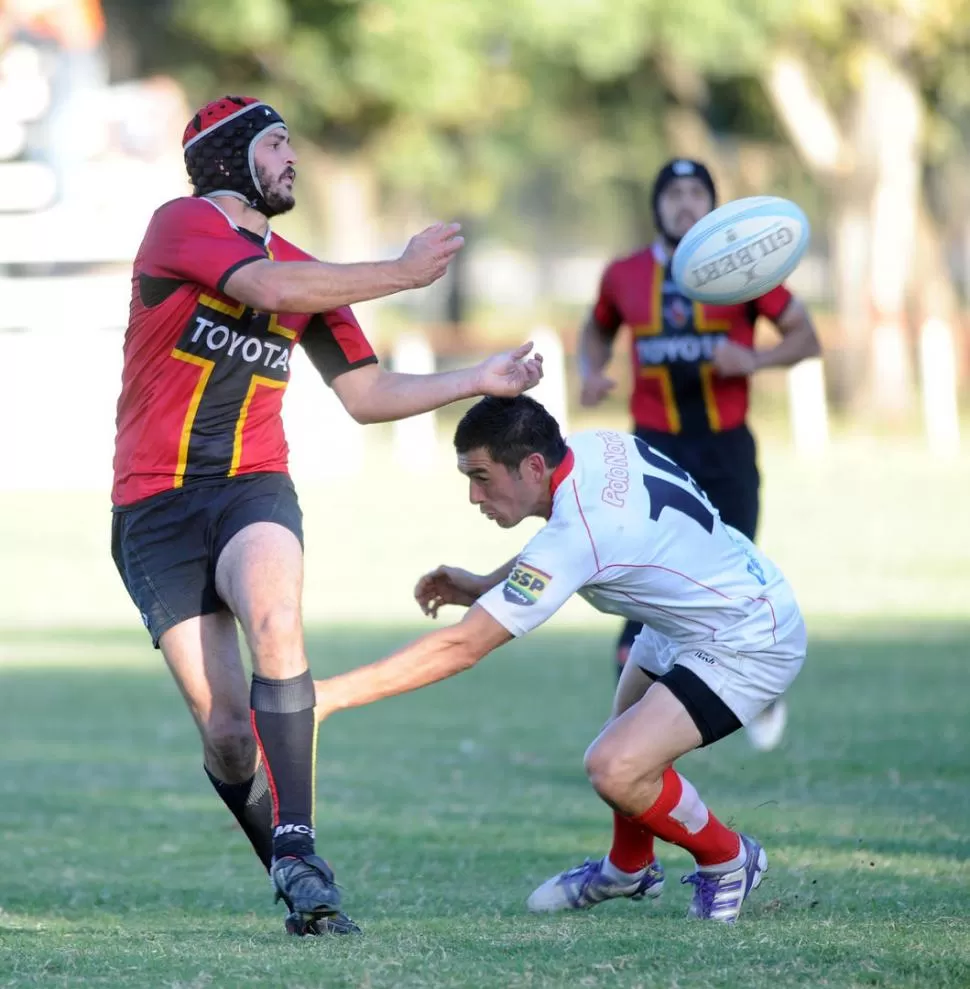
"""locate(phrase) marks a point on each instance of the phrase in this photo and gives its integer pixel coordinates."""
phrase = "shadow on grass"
(105, 806)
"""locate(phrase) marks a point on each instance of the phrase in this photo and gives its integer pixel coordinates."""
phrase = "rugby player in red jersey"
(207, 529)
(691, 365)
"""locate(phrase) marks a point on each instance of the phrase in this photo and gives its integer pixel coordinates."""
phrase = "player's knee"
(230, 747)
(610, 772)
(275, 632)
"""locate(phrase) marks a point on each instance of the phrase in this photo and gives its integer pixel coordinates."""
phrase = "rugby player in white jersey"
(629, 531)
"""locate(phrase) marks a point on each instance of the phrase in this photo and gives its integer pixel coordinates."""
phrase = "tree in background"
(543, 125)
(875, 95)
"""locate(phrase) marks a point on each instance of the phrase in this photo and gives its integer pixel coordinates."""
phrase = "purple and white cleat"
(718, 896)
(585, 886)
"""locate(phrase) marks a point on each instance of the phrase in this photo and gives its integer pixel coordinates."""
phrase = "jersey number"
(664, 494)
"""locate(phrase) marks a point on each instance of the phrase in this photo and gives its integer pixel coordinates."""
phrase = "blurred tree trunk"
(685, 127)
(458, 288)
(343, 214)
(873, 175)
(886, 143)
(813, 129)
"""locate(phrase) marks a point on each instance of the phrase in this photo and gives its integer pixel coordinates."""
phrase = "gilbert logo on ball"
(741, 250)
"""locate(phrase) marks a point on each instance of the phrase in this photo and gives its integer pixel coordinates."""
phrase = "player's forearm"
(498, 575)
(595, 347)
(796, 345)
(397, 396)
(314, 286)
(431, 658)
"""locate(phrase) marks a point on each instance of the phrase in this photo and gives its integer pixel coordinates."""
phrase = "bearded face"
(274, 159)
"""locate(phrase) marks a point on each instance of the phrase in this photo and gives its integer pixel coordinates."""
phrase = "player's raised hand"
(595, 387)
(448, 585)
(509, 374)
(428, 254)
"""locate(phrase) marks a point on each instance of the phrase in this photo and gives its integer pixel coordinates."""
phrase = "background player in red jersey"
(207, 529)
(691, 366)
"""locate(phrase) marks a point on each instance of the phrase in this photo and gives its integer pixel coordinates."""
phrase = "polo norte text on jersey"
(617, 468)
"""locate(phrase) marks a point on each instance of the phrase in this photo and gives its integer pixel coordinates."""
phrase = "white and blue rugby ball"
(741, 250)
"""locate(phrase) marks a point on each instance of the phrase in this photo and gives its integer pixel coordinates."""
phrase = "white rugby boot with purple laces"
(718, 896)
(587, 885)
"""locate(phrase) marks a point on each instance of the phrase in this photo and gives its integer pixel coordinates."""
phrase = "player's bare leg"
(203, 656)
(259, 575)
(630, 869)
(630, 767)
(633, 684)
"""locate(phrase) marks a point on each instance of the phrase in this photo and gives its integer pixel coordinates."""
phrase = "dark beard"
(276, 199)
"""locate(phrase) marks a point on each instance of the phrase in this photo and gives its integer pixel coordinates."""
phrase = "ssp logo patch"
(525, 584)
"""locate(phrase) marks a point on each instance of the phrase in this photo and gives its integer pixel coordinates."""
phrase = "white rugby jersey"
(632, 534)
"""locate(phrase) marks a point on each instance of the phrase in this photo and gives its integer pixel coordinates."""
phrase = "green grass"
(442, 810)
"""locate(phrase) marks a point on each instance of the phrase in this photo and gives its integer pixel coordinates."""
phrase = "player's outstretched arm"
(433, 657)
(313, 286)
(371, 394)
(799, 341)
(452, 585)
(595, 351)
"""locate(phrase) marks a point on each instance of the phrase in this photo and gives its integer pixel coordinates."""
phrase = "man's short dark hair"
(509, 429)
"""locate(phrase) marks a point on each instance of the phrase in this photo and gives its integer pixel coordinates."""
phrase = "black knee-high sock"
(252, 807)
(286, 732)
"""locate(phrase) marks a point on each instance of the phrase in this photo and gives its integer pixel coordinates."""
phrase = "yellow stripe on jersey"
(710, 402)
(274, 327)
(186, 436)
(656, 324)
(235, 311)
(662, 376)
(703, 325)
(254, 383)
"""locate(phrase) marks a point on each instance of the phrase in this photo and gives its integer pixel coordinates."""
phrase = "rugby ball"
(741, 250)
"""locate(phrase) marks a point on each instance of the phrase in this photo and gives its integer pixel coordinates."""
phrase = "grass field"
(441, 811)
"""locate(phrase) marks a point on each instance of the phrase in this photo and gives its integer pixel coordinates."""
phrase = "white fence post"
(551, 391)
(415, 439)
(324, 440)
(808, 407)
(938, 382)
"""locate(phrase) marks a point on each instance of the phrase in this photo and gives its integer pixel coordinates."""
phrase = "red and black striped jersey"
(204, 376)
(676, 389)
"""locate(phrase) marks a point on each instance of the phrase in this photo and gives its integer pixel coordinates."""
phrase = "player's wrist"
(401, 274)
(475, 381)
(483, 584)
(760, 359)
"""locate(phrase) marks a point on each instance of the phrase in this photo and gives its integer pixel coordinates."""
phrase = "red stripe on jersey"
(677, 573)
(679, 615)
(582, 515)
(562, 471)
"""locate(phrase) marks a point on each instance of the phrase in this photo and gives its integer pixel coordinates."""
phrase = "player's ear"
(535, 465)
